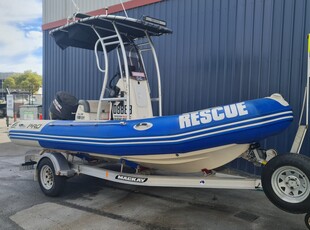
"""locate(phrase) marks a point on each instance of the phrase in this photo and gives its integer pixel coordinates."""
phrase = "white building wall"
(54, 10)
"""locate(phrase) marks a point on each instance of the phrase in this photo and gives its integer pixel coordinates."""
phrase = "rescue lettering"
(214, 114)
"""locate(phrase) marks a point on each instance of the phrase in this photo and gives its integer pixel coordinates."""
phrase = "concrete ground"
(90, 203)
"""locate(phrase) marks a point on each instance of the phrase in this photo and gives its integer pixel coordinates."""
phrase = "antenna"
(70, 18)
(76, 6)
(124, 8)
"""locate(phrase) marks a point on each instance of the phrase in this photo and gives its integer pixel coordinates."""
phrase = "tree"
(27, 81)
(9, 83)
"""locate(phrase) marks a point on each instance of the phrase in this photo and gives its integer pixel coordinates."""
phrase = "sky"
(20, 35)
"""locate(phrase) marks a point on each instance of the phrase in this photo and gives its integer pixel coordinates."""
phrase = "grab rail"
(101, 40)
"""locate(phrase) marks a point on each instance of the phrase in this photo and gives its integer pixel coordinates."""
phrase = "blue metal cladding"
(221, 52)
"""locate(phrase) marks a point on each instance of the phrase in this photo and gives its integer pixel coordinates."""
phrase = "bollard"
(40, 116)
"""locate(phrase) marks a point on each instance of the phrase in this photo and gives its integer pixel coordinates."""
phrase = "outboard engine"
(64, 106)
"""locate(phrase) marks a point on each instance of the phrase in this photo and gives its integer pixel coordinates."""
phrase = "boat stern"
(21, 132)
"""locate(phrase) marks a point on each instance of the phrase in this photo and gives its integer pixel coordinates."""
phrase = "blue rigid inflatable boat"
(106, 129)
(206, 130)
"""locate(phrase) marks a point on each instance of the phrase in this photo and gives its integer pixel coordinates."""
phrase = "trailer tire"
(50, 184)
(307, 220)
(286, 182)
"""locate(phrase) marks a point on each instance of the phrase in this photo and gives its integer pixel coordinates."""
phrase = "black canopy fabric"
(81, 34)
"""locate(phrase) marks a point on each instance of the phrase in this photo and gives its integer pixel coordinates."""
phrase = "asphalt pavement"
(90, 203)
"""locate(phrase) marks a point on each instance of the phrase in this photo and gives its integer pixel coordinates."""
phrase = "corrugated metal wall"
(221, 51)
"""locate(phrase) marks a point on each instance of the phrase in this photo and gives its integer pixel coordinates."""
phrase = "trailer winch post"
(302, 129)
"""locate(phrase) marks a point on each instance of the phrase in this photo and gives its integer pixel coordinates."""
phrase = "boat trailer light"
(154, 20)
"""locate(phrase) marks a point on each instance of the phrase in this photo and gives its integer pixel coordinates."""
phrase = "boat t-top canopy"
(81, 34)
(106, 33)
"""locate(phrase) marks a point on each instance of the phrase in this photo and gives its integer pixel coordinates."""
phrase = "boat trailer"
(287, 185)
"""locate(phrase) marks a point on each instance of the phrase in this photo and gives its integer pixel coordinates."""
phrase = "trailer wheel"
(286, 182)
(50, 184)
(307, 220)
